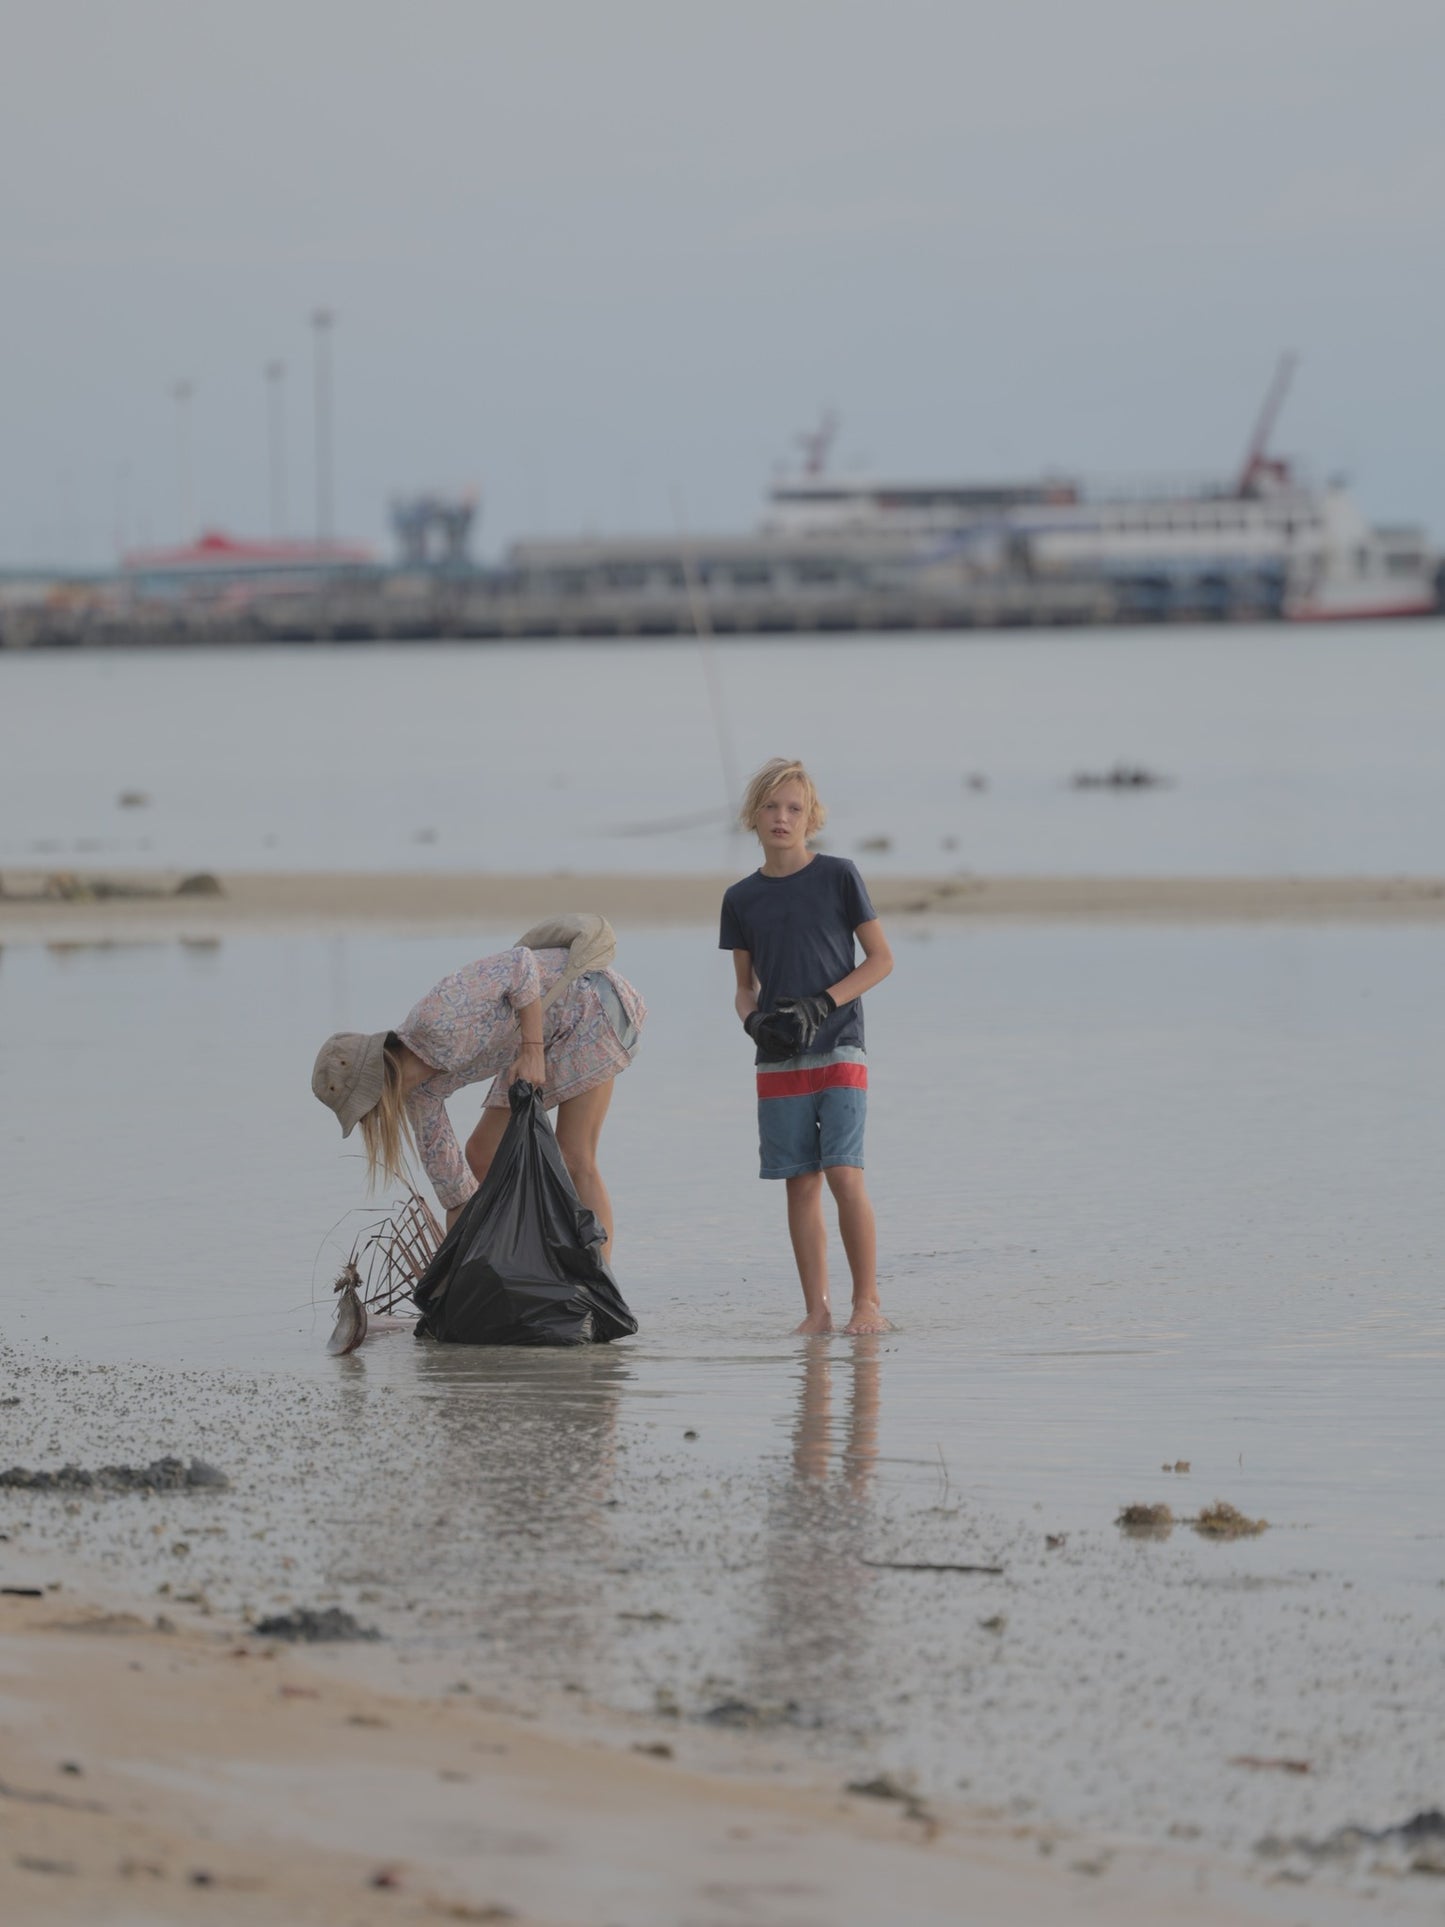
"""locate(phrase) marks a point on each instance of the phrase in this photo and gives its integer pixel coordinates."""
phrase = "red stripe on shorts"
(807, 1083)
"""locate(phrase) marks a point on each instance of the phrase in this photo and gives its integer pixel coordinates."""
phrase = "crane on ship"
(1260, 473)
(816, 443)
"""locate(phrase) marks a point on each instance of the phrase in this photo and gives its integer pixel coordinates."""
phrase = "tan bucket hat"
(350, 1073)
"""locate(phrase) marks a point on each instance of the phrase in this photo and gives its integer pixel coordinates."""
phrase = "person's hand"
(772, 1039)
(805, 1016)
(530, 1066)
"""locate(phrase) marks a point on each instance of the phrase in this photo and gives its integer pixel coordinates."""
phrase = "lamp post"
(276, 439)
(181, 394)
(323, 320)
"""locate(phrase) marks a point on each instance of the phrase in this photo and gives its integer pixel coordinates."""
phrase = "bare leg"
(579, 1126)
(860, 1241)
(481, 1149)
(810, 1248)
(483, 1142)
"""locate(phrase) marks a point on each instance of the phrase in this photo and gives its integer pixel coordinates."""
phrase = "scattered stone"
(689, 1435)
(132, 800)
(1416, 1845)
(313, 1627)
(743, 1713)
(201, 884)
(657, 1749)
(647, 1619)
(34, 1863)
(1146, 1521)
(23, 1592)
(1123, 776)
(464, 1910)
(1179, 1465)
(876, 843)
(1056, 1541)
(73, 1767)
(161, 1475)
(882, 1786)
(994, 1624)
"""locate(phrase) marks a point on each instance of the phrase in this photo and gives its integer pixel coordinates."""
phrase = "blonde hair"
(386, 1128)
(773, 774)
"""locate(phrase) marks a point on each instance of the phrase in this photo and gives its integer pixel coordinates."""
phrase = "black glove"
(805, 1016)
(772, 1038)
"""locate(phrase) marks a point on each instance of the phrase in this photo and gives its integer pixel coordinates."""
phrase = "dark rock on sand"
(161, 1475)
(306, 1624)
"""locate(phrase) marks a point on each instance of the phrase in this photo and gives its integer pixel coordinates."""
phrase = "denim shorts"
(811, 1113)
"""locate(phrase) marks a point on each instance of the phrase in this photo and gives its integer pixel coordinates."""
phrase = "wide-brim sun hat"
(350, 1075)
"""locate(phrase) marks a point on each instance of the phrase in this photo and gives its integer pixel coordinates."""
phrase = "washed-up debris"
(995, 1623)
(38, 1797)
(386, 1264)
(23, 1592)
(883, 1786)
(923, 1565)
(1179, 1465)
(132, 800)
(1416, 1845)
(1265, 1765)
(350, 1328)
(1056, 1541)
(161, 1475)
(307, 1624)
(1224, 1521)
(1123, 776)
(655, 1749)
(875, 843)
(36, 1863)
(1146, 1521)
(743, 1713)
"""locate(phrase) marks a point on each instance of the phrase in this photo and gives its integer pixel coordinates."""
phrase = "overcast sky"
(601, 257)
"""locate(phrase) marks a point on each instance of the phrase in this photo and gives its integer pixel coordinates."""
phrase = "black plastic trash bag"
(523, 1263)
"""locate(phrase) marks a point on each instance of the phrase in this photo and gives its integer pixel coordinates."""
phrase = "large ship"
(1263, 543)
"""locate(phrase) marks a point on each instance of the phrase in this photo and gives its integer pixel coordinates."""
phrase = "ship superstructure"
(1265, 543)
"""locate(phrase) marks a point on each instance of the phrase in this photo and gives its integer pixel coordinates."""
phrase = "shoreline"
(146, 908)
(152, 1766)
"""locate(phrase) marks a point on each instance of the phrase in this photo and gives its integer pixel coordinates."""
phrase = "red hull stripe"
(824, 1077)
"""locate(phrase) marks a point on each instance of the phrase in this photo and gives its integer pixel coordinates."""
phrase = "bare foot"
(867, 1317)
(817, 1324)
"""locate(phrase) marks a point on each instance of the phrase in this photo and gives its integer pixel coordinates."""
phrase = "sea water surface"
(1145, 1196)
(1285, 750)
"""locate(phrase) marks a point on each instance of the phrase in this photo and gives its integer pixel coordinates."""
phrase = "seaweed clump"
(1224, 1521)
(1146, 1521)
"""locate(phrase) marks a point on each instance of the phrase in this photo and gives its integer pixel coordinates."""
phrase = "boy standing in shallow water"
(791, 927)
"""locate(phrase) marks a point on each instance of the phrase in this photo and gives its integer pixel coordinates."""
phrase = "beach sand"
(154, 1772)
(444, 902)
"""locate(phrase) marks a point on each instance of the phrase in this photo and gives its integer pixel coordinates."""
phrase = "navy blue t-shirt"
(799, 931)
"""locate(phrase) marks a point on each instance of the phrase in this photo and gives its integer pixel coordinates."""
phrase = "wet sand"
(150, 1770)
(440, 903)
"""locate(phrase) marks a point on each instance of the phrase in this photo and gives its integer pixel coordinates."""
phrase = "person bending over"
(487, 1020)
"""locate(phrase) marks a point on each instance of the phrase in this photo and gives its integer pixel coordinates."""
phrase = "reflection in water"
(812, 1637)
(503, 1500)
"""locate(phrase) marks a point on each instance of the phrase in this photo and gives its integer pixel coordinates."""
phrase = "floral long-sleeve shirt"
(466, 1026)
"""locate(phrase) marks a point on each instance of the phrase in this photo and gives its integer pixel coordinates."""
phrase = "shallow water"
(1144, 1195)
(1309, 750)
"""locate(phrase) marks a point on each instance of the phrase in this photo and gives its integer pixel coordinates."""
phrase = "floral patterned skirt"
(590, 1036)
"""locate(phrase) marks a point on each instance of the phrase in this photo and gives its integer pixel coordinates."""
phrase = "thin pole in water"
(702, 628)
